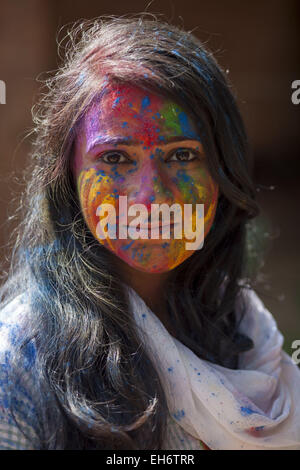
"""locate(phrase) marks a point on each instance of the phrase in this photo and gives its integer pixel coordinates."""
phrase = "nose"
(151, 185)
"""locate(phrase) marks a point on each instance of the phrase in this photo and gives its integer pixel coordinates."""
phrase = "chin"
(157, 266)
(150, 269)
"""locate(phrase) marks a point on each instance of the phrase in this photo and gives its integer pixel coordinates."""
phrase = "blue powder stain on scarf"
(245, 411)
(14, 334)
(180, 414)
(144, 315)
(124, 124)
(170, 369)
(29, 356)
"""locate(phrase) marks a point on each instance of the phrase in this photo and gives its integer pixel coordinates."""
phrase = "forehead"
(130, 111)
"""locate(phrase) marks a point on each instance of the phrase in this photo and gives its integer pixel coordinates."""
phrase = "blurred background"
(258, 42)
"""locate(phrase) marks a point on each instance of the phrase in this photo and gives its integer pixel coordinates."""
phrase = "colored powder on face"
(184, 183)
(117, 100)
(126, 247)
(181, 174)
(145, 103)
(170, 115)
(186, 127)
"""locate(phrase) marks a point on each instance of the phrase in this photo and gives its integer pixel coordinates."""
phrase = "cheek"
(197, 188)
(208, 192)
(95, 188)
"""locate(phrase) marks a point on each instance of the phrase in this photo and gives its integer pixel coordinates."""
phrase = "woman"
(112, 342)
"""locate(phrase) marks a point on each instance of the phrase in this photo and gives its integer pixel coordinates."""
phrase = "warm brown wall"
(257, 41)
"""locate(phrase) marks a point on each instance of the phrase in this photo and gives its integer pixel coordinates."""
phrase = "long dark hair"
(102, 388)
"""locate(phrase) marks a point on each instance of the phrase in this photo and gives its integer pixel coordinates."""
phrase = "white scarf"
(253, 408)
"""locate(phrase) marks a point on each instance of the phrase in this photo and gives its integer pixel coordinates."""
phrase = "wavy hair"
(104, 391)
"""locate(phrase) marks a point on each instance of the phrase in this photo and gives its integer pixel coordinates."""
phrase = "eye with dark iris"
(114, 157)
(183, 155)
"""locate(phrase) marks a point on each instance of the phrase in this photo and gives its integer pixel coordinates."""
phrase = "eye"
(114, 157)
(183, 155)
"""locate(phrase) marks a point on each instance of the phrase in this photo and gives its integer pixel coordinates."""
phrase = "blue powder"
(117, 100)
(145, 103)
(185, 125)
(246, 411)
(126, 247)
(29, 356)
(182, 175)
(180, 414)
(100, 172)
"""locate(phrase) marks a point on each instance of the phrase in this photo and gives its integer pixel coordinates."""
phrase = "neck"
(150, 287)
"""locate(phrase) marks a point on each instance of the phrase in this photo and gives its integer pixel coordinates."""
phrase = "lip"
(149, 227)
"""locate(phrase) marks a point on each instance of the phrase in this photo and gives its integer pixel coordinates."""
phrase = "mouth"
(149, 226)
(146, 227)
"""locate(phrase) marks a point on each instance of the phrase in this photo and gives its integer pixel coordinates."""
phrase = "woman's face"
(143, 146)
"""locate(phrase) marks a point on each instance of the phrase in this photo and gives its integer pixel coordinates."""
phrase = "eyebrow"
(131, 142)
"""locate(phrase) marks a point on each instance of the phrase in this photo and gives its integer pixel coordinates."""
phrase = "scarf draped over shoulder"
(253, 408)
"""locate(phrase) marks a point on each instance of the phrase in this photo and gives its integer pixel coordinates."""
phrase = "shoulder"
(14, 317)
(255, 317)
(18, 377)
(258, 323)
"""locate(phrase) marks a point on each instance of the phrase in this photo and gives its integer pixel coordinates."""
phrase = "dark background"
(257, 41)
